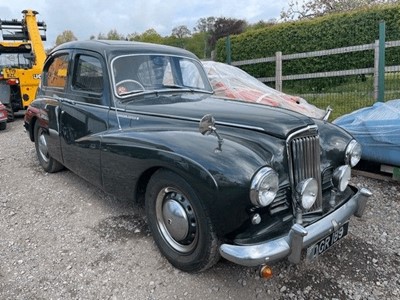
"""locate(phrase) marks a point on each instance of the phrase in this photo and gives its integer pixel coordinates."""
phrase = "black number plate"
(324, 244)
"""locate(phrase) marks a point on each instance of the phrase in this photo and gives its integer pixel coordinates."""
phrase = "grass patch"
(353, 93)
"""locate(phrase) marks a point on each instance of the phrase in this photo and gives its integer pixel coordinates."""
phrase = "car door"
(83, 115)
(52, 90)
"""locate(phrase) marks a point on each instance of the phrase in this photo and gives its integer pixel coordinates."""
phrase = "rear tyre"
(3, 125)
(180, 224)
(48, 163)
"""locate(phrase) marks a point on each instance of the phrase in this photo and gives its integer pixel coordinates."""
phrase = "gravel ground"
(61, 238)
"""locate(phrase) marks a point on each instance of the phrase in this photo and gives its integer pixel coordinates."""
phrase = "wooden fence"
(279, 59)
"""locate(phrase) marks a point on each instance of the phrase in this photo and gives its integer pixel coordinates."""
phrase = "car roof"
(120, 47)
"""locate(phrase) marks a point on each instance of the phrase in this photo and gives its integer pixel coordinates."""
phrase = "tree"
(133, 36)
(224, 27)
(66, 36)
(111, 35)
(181, 32)
(316, 8)
(149, 36)
(205, 25)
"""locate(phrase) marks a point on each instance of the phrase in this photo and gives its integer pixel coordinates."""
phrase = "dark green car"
(248, 182)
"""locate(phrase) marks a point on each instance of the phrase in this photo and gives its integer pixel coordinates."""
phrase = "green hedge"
(329, 32)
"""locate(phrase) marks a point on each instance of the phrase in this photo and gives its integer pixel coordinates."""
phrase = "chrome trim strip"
(150, 114)
(298, 238)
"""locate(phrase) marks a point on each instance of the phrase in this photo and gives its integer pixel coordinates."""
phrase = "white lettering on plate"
(325, 244)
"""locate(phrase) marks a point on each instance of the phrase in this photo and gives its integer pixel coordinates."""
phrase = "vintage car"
(248, 182)
(3, 116)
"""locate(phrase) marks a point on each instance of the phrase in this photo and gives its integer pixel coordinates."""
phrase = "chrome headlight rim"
(307, 191)
(353, 153)
(341, 177)
(264, 187)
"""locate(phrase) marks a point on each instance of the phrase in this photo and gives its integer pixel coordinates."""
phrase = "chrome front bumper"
(298, 238)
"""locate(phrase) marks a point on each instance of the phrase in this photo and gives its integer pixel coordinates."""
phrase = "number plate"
(324, 244)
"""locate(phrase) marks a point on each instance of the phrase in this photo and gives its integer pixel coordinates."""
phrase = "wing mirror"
(207, 127)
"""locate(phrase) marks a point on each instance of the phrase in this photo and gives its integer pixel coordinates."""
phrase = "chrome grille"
(304, 160)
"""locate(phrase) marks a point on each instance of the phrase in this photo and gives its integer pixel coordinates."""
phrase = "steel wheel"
(179, 223)
(48, 163)
(176, 220)
(42, 147)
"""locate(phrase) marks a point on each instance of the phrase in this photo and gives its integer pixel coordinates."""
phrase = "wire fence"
(343, 90)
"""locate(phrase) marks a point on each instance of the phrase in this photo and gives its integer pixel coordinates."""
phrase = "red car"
(3, 116)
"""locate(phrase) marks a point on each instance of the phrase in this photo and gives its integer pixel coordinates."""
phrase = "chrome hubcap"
(176, 220)
(43, 151)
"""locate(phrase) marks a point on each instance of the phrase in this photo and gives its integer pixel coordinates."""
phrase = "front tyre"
(179, 223)
(48, 163)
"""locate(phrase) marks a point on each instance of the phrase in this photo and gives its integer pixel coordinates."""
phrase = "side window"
(88, 74)
(55, 75)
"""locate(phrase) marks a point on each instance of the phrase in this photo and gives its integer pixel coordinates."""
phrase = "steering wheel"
(129, 85)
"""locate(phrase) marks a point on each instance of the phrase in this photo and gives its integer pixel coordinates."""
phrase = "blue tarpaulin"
(377, 129)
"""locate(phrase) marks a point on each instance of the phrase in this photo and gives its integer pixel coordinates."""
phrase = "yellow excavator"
(22, 56)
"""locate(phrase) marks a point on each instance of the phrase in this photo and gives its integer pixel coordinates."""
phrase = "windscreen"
(146, 73)
(15, 60)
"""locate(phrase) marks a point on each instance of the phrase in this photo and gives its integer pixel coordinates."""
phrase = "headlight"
(264, 187)
(341, 177)
(308, 191)
(353, 153)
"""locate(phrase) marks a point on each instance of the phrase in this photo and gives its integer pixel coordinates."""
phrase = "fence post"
(228, 50)
(278, 71)
(381, 67)
(376, 70)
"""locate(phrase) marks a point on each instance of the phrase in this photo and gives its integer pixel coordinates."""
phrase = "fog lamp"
(307, 191)
(341, 177)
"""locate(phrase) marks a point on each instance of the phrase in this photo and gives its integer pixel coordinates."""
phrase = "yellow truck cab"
(22, 56)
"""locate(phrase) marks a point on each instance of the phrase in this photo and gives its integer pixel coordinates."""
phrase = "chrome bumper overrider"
(298, 238)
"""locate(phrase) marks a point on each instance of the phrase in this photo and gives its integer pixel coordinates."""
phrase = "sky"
(86, 18)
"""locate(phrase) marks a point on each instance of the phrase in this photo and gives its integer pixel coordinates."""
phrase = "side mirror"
(207, 125)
